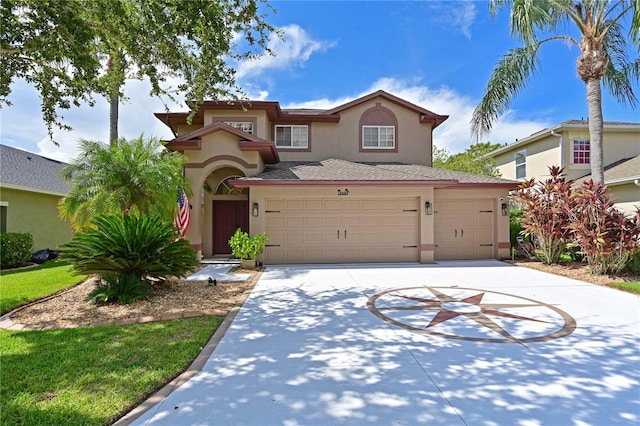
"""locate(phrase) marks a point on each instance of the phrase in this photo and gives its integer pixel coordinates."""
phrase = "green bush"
(245, 247)
(123, 288)
(15, 248)
(515, 226)
(120, 248)
(633, 265)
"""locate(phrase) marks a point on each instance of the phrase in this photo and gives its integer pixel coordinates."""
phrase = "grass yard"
(632, 286)
(91, 376)
(21, 286)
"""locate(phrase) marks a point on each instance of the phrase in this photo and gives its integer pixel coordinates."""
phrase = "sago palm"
(136, 177)
(603, 59)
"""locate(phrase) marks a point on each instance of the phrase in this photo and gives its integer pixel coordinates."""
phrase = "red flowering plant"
(607, 238)
(545, 215)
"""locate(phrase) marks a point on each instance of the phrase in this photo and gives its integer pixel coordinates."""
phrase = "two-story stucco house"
(349, 184)
(567, 145)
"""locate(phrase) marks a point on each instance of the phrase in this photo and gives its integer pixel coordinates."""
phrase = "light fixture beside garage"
(254, 210)
(505, 209)
(428, 208)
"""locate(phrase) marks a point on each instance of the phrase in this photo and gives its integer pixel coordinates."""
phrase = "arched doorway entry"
(225, 210)
(228, 215)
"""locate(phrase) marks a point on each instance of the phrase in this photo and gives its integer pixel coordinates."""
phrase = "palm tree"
(603, 58)
(136, 177)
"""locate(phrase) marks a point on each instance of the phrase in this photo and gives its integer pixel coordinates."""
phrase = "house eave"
(29, 189)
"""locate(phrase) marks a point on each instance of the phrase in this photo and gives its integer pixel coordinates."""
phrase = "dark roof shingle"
(27, 170)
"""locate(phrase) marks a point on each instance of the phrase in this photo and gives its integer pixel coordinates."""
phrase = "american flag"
(183, 217)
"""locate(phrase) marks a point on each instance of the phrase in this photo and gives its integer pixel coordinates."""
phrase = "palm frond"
(508, 78)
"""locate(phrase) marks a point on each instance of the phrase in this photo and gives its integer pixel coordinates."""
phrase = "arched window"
(224, 188)
(378, 129)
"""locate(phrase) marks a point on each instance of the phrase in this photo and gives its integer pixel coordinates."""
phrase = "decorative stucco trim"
(504, 245)
(427, 247)
(230, 158)
(246, 183)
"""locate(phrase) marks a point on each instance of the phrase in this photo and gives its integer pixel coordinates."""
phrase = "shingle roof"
(331, 170)
(623, 170)
(27, 170)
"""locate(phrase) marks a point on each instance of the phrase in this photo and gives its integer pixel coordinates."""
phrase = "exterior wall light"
(428, 208)
(254, 210)
(505, 209)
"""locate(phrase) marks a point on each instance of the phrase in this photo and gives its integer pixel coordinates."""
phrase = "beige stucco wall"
(341, 140)
(626, 196)
(36, 213)
(545, 152)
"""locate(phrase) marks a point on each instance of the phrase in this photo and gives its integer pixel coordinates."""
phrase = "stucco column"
(195, 201)
(427, 230)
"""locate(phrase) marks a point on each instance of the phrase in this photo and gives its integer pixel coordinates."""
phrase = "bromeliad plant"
(607, 238)
(129, 253)
(545, 215)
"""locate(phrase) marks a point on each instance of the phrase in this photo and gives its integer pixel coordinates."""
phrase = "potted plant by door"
(247, 248)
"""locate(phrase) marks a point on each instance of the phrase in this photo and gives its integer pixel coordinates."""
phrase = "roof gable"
(426, 116)
(247, 142)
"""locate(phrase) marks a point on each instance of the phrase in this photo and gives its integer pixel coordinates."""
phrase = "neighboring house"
(567, 145)
(349, 184)
(30, 191)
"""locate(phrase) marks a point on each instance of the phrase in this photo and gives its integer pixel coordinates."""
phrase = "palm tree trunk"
(594, 102)
(114, 104)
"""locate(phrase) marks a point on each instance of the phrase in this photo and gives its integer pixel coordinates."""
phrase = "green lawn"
(632, 286)
(85, 376)
(91, 376)
(21, 286)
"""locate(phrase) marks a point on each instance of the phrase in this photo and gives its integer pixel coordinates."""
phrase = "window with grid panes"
(521, 164)
(245, 126)
(292, 136)
(581, 151)
(379, 137)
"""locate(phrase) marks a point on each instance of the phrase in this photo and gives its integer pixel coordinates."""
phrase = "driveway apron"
(455, 343)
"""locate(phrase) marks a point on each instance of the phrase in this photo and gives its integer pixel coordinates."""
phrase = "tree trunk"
(594, 103)
(114, 104)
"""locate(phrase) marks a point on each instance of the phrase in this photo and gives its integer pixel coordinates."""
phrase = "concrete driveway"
(456, 343)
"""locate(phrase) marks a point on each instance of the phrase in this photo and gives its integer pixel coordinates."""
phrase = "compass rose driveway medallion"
(471, 314)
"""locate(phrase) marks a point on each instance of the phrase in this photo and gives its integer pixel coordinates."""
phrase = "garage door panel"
(343, 230)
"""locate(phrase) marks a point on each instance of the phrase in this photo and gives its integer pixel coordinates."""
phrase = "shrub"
(515, 226)
(144, 247)
(15, 248)
(607, 238)
(245, 247)
(123, 288)
(633, 265)
(545, 216)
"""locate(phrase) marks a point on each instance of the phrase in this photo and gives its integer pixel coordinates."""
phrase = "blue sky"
(437, 54)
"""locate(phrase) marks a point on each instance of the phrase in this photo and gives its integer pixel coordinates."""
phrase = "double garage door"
(342, 230)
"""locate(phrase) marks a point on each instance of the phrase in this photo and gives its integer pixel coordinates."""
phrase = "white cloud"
(455, 16)
(454, 134)
(294, 48)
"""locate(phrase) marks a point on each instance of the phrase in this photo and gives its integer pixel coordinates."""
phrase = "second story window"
(383, 137)
(581, 151)
(521, 164)
(292, 136)
(245, 126)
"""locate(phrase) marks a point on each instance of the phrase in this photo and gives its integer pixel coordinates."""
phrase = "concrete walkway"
(457, 343)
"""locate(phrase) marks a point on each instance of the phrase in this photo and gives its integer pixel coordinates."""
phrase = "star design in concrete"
(443, 305)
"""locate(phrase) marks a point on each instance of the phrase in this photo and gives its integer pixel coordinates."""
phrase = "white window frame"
(245, 126)
(379, 139)
(521, 165)
(573, 151)
(298, 135)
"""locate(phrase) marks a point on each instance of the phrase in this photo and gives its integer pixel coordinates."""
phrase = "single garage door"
(464, 229)
(342, 230)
